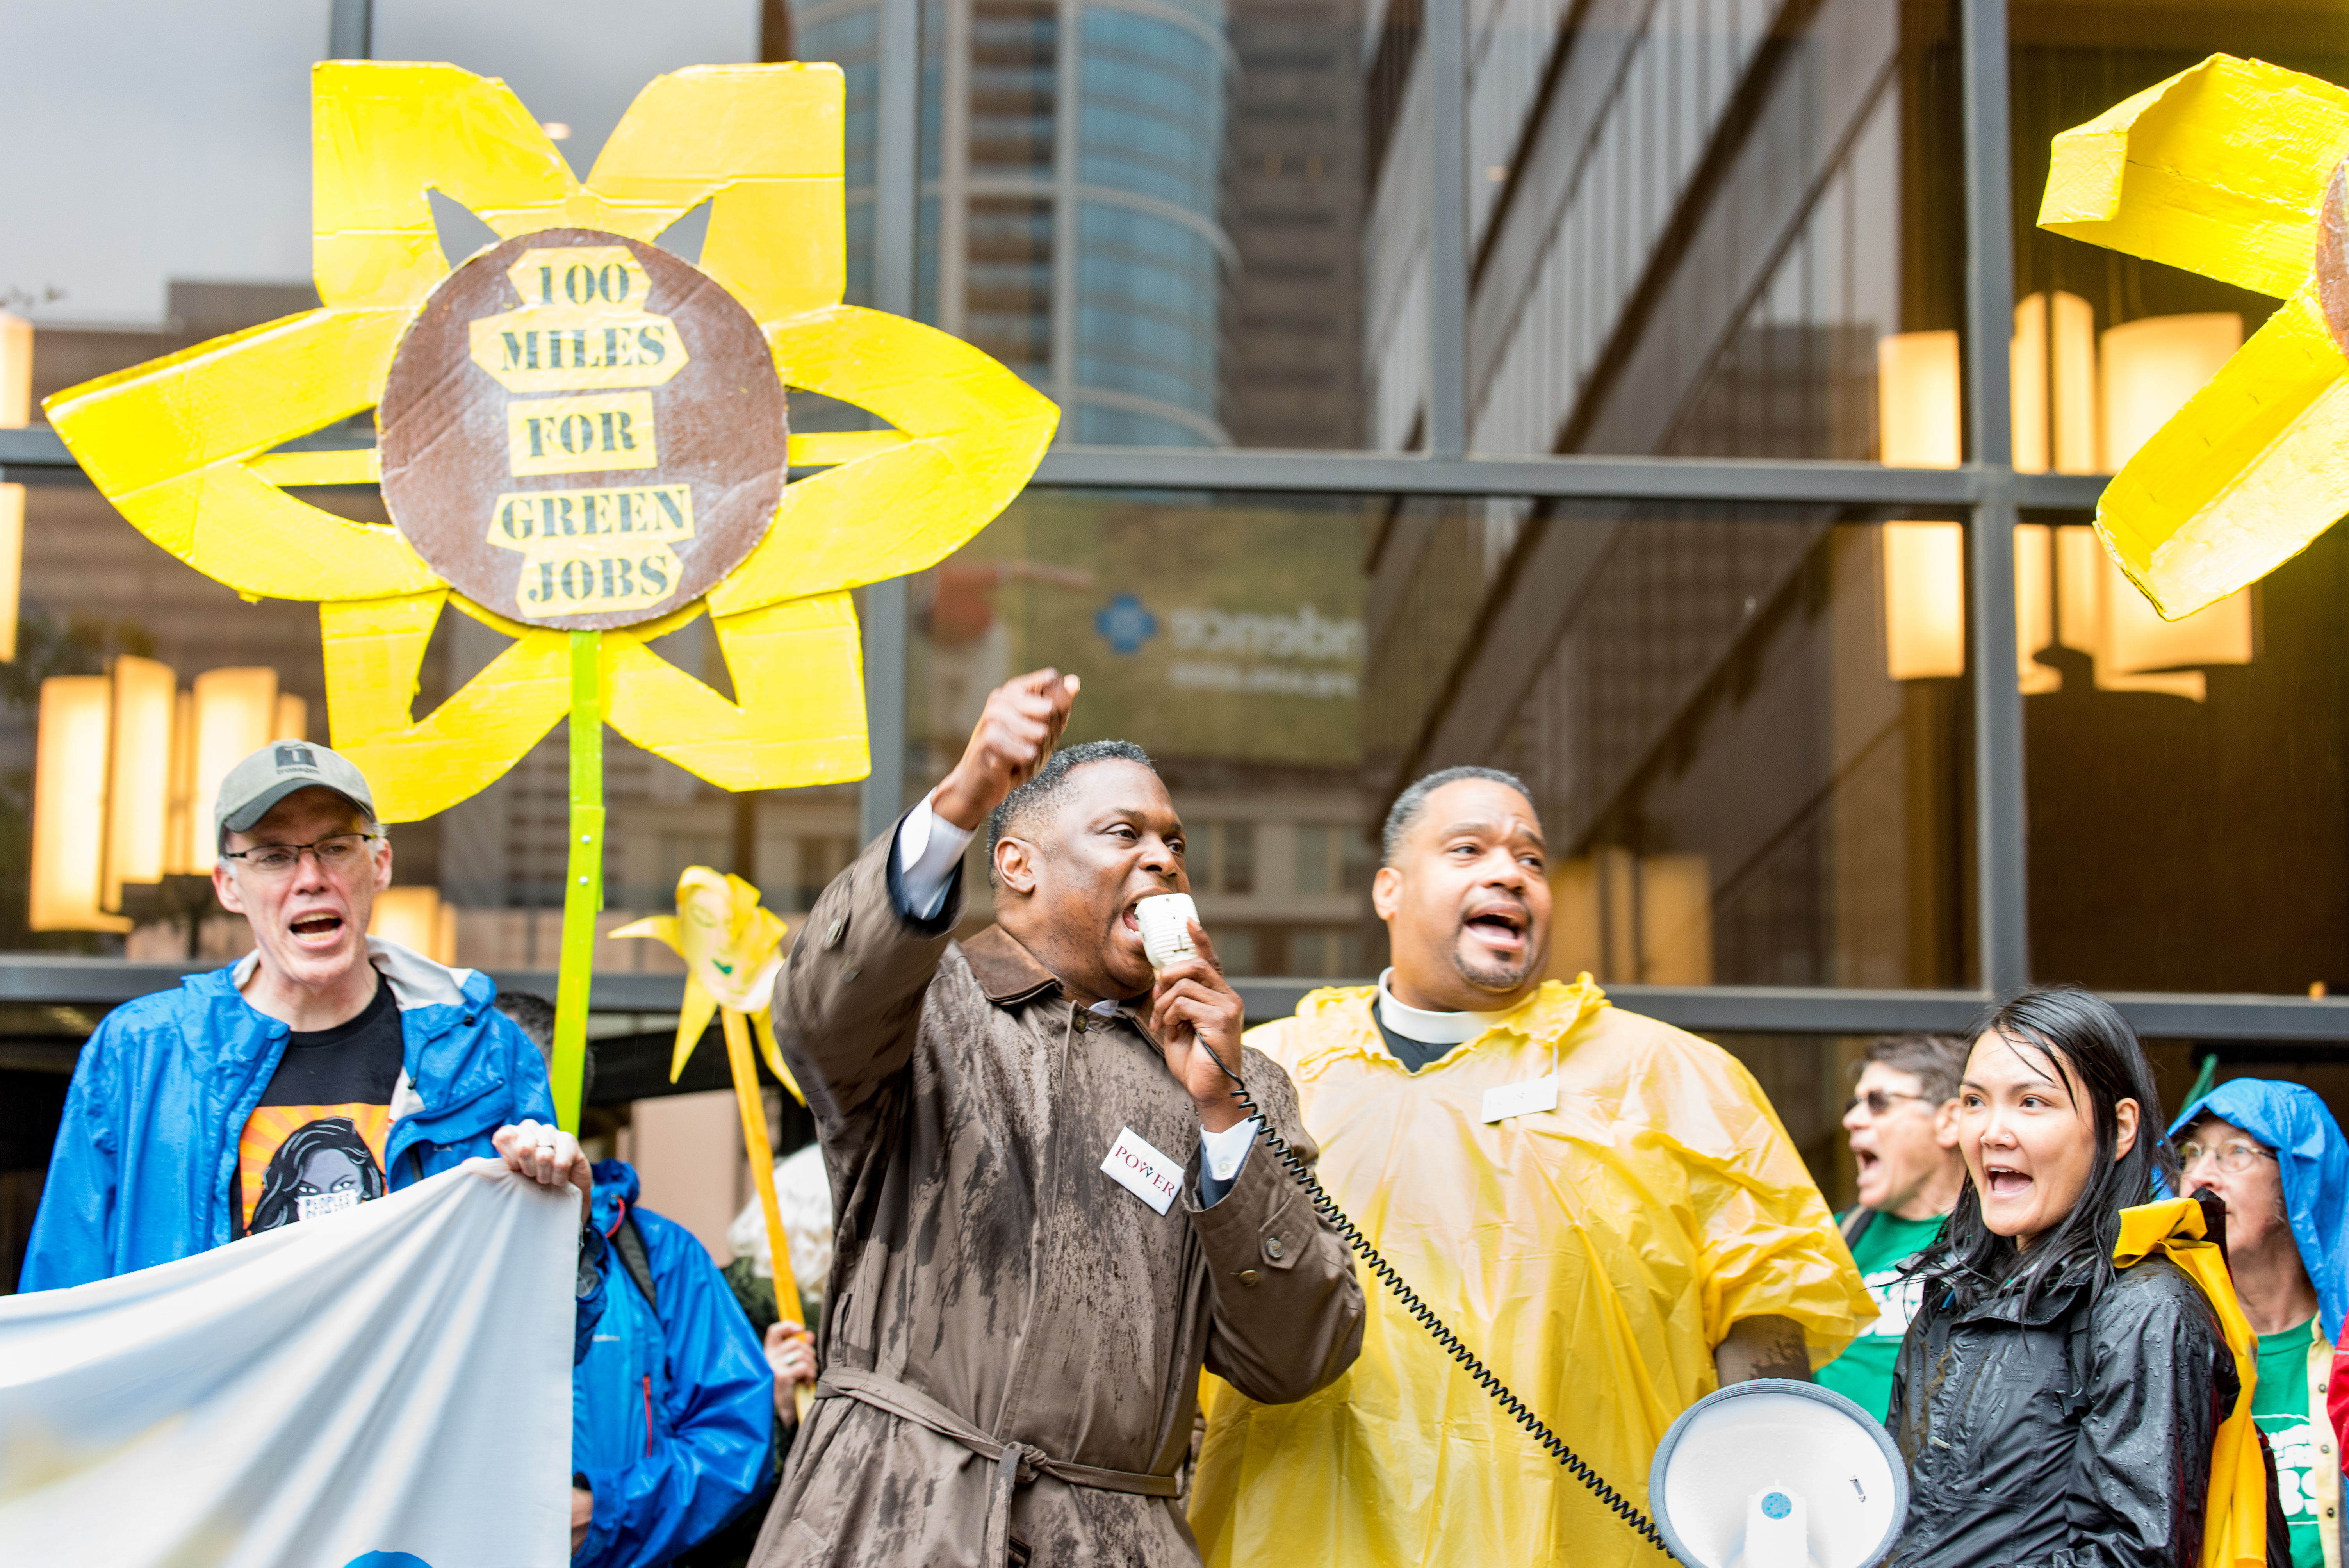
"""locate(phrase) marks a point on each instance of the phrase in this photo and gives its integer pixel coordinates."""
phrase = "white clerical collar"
(1430, 1028)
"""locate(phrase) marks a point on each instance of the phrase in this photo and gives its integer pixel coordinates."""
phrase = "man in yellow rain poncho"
(1605, 1209)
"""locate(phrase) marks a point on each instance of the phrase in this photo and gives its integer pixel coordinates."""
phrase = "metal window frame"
(1987, 490)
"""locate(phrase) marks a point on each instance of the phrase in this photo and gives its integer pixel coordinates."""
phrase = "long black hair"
(2081, 1041)
(281, 1184)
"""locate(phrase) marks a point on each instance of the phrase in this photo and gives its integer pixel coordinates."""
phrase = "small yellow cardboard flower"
(2233, 169)
(733, 950)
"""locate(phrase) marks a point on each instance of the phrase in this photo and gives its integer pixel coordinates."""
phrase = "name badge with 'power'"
(1142, 1170)
(1502, 1101)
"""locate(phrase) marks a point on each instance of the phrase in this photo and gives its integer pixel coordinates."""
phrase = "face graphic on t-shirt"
(323, 1167)
(331, 1181)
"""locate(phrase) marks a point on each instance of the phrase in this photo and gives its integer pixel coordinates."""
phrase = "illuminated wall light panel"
(179, 836)
(2035, 608)
(1924, 600)
(2026, 355)
(15, 413)
(145, 698)
(1917, 391)
(2137, 640)
(236, 710)
(2071, 382)
(2053, 359)
(1925, 603)
(293, 718)
(16, 372)
(416, 919)
(68, 869)
(2151, 367)
(2084, 582)
(12, 565)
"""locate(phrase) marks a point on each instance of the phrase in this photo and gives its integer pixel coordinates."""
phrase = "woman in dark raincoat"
(2052, 1409)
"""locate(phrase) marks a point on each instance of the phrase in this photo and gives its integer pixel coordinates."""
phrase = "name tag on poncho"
(1505, 1100)
(1142, 1170)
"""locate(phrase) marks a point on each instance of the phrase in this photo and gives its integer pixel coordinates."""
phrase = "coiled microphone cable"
(1437, 1330)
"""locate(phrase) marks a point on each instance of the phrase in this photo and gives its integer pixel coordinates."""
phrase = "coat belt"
(1016, 1464)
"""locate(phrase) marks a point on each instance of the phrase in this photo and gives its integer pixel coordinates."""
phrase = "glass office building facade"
(1673, 401)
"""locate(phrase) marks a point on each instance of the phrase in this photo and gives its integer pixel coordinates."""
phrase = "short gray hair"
(1031, 796)
(1407, 807)
(1937, 1062)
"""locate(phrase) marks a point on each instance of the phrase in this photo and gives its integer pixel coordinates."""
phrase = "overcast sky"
(151, 139)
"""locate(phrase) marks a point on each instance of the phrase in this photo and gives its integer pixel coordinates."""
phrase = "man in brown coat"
(1048, 1215)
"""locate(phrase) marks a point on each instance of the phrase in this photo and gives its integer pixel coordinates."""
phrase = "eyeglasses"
(1878, 1101)
(340, 853)
(2234, 1158)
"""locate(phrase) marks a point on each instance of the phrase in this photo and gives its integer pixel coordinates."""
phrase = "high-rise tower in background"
(1149, 209)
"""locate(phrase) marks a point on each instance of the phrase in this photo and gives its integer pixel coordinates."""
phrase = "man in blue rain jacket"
(672, 1411)
(323, 1070)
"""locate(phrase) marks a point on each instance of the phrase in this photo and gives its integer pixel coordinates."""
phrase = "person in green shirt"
(1902, 1120)
(2274, 1153)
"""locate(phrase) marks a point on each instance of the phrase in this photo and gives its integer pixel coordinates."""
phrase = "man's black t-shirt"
(314, 1145)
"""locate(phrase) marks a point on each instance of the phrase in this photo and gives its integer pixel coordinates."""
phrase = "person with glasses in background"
(2275, 1154)
(1902, 1121)
(323, 1068)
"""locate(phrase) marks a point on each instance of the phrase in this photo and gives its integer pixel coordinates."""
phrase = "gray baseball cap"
(277, 770)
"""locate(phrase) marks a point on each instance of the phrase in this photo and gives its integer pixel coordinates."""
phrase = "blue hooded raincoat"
(673, 1410)
(2313, 1160)
(145, 1162)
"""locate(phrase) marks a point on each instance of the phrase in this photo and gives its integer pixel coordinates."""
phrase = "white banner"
(388, 1388)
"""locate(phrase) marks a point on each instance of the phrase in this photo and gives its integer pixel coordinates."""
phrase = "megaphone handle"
(1437, 1330)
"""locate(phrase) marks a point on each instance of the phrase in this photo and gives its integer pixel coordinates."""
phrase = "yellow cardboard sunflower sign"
(583, 442)
(2233, 170)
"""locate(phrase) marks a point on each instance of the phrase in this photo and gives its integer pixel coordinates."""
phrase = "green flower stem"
(583, 883)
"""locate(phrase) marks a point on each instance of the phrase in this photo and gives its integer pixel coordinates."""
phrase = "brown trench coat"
(991, 1280)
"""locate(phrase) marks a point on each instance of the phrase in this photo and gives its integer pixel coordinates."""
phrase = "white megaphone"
(1772, 1473)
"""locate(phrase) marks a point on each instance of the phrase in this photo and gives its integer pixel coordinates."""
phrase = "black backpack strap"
(1855, 1224)
(630, 1244)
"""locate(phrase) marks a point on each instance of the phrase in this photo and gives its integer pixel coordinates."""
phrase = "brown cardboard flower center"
(2333, 258)
(582, 431)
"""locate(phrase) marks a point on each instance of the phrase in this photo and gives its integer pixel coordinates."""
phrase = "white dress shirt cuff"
(928, 849)
(1223, 1153)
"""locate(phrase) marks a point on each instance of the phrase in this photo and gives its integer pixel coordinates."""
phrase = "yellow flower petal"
(659, 927)
(373, 649)
(797, 670)
(2220, 169)
(699, 1004)
(763, 145)
(167, 443)
(764, 1021)
(346, 466)
(828, 448)
(977, 432)
(2241, 478)
(380, 134)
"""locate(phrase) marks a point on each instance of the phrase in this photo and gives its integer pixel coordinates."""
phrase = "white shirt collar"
(1429, 1028)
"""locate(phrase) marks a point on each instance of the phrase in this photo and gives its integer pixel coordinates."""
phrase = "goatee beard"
(1499, 977)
